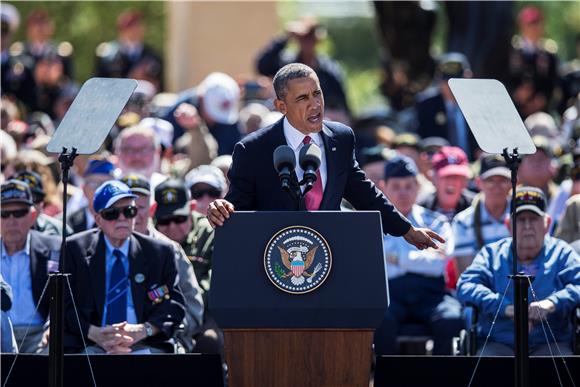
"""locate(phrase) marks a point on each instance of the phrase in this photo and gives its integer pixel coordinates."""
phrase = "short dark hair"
(286, 74)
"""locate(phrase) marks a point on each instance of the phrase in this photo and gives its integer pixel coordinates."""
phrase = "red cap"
(530, 14)
(450, 160)
(128, 19)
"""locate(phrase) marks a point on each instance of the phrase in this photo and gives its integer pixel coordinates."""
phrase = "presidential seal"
(297, 260)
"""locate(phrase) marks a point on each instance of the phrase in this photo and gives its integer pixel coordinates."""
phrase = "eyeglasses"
(113, 213)
(15, 213)
(137, 151)
(212, 192)
(180, 219)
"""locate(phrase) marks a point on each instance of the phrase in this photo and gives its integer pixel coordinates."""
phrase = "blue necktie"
(117, 292)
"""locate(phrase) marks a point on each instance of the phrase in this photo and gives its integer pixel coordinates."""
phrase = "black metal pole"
(522, 368)
(57, 280)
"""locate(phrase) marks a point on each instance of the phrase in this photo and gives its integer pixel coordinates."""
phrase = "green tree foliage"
(87, 23)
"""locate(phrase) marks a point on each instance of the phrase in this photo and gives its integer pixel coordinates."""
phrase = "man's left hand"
(422, 238)
(539, 310)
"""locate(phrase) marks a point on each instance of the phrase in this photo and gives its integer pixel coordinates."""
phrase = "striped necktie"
(313, 198)
(117, 292)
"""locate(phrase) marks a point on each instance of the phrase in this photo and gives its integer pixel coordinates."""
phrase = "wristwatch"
(148, 329)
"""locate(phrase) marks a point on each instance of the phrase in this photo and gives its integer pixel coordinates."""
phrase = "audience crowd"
(140, 245)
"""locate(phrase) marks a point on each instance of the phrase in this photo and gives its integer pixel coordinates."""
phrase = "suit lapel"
(332, 160)
(39, 254)
(137, 265)
(96, 254)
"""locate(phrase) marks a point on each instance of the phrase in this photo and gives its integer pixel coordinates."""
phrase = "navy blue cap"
(15, 191)
(99, 167)
(109, 193)
(400, 166)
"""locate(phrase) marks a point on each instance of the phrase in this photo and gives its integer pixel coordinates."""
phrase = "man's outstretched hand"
(218, 211)
(422, 238)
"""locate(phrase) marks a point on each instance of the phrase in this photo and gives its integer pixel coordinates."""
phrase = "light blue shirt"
(16, 272)
(429, 262)
(109, 261)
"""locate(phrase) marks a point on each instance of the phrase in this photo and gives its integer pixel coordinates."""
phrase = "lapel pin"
(139, 278)
(333, 148)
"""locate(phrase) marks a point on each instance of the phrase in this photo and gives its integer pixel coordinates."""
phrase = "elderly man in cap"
(97, 172)
(416, 277)
(554, 268)
(483, 222)
(27, 258)
(44, 223)
(187, 281)
(437, 111)
(206, 184)
(175, 218)
(124, 284)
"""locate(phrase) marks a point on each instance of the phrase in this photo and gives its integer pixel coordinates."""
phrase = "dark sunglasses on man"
(211, 192)
(113, 213)
(5, 214)
(178, 219)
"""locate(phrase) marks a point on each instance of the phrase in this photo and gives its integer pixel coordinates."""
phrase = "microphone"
(309, 159)
(284, 163)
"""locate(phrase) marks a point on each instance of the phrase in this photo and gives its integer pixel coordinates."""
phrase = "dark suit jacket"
(254, 182)
(42, 247)
(86, 264)
(77, 220)
(433, 120)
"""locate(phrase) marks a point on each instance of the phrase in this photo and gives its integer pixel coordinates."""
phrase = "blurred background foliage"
(352, 40)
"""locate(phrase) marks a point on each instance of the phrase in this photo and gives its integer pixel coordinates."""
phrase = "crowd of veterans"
(140, 246)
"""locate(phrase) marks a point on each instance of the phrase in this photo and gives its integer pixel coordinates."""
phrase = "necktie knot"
(117, 254)
(307, 140)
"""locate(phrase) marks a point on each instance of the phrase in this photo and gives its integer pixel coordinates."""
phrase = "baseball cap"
(452, 65)
(543, 143)
(530, 14)
(163, 129)
(110, 193)
(208, 174)
(431, 145)
(450, 160)
(34, 182)
(493, 165)
(221, 98)
(137, 183)
(406, 139)
(172, 197)
(400, 166)
(530, 199)
(15, 191)
(99, 167)
(9, 16)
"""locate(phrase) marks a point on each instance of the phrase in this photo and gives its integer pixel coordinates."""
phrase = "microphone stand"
(56, 286)
(521, 282)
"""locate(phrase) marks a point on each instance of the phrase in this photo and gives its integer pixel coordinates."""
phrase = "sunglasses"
(113, 213)
(212, 192)
(16, 213)
(180, 219)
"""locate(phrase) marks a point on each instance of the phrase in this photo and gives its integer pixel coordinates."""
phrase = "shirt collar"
(295, 137)
(124, 247)
(25, 250)
(485, 215)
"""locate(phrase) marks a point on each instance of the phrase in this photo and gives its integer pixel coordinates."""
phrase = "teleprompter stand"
(498, 128)
(82, 131)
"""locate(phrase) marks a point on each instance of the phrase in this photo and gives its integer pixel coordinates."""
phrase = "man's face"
(142, 219)
(91, 183)
(375, 171)
(303, 104)
(175, 228)
(402, 192)
(531, 229)
(449, 189)
(536, 170)
(15, 229)
(204, 194)
(137, 154)
(496, 190)
(117, 229)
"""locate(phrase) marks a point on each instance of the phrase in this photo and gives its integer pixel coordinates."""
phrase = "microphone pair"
(308, 159)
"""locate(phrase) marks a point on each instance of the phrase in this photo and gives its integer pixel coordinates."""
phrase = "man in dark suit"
(27, 257)
(254, 183)
(124, 284)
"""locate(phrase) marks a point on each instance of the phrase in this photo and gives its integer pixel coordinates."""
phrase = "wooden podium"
(322, 337)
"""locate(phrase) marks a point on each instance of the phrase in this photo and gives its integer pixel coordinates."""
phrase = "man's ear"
(33, 213)
(280, 105)
(192, 204)
(548, 222)
(152, 209)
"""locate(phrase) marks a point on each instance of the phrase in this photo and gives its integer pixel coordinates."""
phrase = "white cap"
(10, 15)
(221, 98)
(207, 174)
(163, 129)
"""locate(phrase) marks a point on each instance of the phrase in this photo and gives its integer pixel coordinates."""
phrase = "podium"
(299, 295)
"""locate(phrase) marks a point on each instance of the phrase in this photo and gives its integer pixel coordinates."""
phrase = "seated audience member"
(44, 223)
(416, 281)
(187, 282)
(484, 221)
(98, 171)
(206, 184)
(7, 339)
(569, 227)
(538, 170)
(450, 177)
(27, 257)
(176, 219)
(124, 284)
(566, 189)
(554, 268)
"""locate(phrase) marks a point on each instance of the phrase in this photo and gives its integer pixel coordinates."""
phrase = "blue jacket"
(557, 279)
